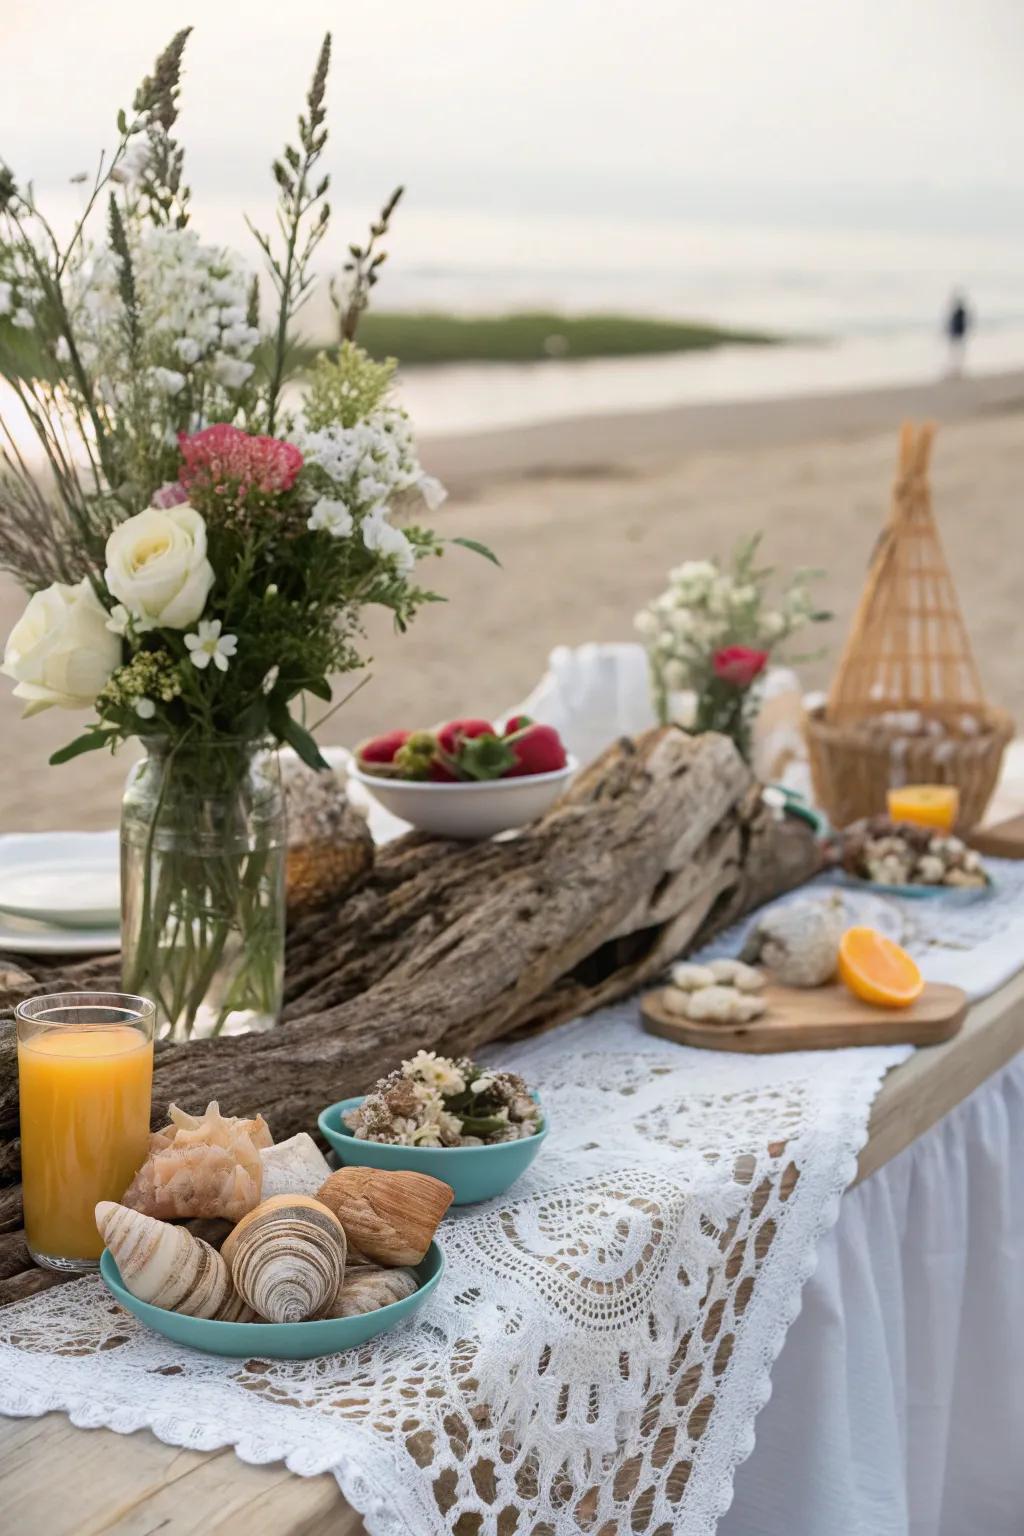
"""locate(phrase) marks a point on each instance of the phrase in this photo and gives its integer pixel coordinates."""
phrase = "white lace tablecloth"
(602, 1342)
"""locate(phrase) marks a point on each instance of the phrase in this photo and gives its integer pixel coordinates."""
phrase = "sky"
(558, 103)
(531, 131)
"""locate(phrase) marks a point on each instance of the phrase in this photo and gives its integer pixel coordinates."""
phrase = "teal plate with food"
(276, 1341)
(474, 1173)
(958, 894)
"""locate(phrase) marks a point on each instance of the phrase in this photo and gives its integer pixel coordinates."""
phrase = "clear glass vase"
(202, 886)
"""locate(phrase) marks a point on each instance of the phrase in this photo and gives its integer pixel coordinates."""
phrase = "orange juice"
(85, 1101)
(930, 805)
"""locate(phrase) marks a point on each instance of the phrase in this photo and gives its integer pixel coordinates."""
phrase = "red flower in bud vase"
(739, 664)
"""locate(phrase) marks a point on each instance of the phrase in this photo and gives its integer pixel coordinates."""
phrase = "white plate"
(19, 936)
(68, 879)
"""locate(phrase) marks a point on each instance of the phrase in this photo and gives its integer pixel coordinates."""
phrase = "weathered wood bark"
(449, 946)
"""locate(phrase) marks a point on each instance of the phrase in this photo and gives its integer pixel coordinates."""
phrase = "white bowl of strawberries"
(467, 779)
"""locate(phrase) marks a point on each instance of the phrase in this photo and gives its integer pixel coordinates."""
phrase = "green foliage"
(345, 388)
(532, 337)
(302, 217)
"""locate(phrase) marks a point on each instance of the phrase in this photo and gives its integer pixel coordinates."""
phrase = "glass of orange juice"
(85, 1081)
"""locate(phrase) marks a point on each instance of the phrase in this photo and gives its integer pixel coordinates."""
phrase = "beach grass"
(421, 338)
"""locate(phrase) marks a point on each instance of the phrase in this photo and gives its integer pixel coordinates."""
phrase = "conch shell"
(167, 1266)
(293, 1167)
(201, 1165)
(389, 1216)
(371, 1286)
(287, 1258)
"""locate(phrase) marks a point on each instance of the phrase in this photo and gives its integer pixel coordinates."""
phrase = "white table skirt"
(897, 1404)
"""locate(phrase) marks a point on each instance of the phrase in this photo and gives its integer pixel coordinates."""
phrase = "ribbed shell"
(371, 1286)
(389, 1215)
(166, 1265)
(287, 1259)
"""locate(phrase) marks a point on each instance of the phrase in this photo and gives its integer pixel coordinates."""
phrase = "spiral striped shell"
(287, 1258)
(166, 1265)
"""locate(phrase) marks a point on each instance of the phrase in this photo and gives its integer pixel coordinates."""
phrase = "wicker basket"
(851, 770)
(906, 705)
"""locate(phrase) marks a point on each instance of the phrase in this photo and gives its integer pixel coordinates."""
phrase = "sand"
(587, 516)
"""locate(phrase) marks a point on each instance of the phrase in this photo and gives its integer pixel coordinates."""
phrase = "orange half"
(877, 970)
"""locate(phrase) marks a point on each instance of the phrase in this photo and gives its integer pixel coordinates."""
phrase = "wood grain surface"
(816, 1019)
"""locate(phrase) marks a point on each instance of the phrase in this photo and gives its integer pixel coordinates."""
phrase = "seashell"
(167, 1266)
(389, 1216)
(371, 1286)
(734, 973)
(293, 1167)
(287, 1258)
(201, 1165)
(799, 942)
(689, 977)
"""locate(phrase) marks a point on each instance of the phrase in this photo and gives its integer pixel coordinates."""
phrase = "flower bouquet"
(201, 541)
(712, 632)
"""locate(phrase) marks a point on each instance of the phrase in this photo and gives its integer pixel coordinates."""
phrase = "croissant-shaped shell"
(370, 1286)
(389, 1215)
(287, 1258)
(166, 1265)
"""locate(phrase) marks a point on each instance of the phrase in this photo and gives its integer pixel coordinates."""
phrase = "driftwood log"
(443, 945)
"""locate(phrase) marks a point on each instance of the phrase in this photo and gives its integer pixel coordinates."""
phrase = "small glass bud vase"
(203, 851)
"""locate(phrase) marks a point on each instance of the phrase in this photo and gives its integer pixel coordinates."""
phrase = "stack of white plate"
(60, 893)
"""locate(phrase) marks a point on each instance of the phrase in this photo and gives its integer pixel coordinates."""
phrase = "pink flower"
(171, 494)
(739, 664)
(232, 464)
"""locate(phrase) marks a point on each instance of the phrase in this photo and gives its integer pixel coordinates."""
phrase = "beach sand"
(586, 518)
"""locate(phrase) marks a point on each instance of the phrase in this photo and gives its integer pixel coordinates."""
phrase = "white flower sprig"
(208, 644)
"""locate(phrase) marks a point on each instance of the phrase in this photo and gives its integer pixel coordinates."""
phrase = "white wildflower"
(436, 1071)
(120, 620)
(208, 644)
(379, 536)
(433, 492)
(22, 318)
(167, 380)
(330, 516)
(145, 708)
(230, 372)
(188, 349)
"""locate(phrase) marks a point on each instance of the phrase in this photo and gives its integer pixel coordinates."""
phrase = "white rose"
(157, 565)
(60, 651)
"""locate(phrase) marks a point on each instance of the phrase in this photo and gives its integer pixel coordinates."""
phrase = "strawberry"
(381, 750)
(516, 723)
(417, 755)
(537, 749)
(439, 774)
(451, 735)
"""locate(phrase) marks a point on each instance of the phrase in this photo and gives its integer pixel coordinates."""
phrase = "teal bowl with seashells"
(276, 1341)
(473, 1173)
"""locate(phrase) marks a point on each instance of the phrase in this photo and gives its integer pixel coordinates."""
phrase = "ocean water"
(860, 308)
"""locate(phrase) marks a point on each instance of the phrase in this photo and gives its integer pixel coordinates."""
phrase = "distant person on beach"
(958, 323)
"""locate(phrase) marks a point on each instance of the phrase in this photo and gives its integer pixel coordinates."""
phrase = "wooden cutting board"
(817, 1019)
(1003, 840)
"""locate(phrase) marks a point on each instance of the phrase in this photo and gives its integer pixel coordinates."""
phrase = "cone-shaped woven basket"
(906, 705)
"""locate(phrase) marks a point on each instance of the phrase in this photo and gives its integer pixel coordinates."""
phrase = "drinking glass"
(85, 1080)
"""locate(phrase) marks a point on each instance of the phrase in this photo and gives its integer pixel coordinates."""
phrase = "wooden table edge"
(936, 1078)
